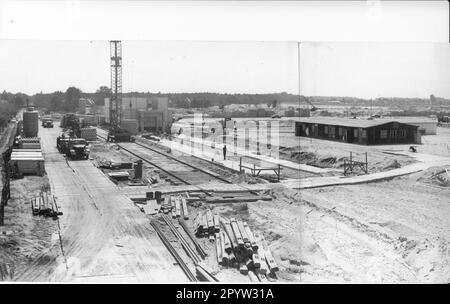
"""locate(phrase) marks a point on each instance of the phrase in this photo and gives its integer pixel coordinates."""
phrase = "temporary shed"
(360, 131)
(27, 162)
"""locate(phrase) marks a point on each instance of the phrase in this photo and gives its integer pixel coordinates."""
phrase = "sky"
(367, 70)
(237, 67)
(371, 70)
(186, 46)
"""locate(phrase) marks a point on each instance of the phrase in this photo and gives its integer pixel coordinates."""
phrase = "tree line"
(68, 101)
(9, 106)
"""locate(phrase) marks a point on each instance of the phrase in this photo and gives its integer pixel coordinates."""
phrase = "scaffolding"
(354, 166)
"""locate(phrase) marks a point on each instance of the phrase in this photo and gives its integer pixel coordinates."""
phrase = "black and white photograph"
(166, 147)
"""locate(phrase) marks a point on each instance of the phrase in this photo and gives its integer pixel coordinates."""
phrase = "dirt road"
(103, 236)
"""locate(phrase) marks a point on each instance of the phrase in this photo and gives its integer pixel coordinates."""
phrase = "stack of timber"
(232, 197)
(175, 205)
(238, 247)
(45, 204)
(207, 224)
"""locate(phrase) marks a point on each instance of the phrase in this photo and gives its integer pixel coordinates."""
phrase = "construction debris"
(155, 203)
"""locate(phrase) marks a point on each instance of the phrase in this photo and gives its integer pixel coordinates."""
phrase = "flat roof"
(411, 119)
(14, 158)
(346, 122)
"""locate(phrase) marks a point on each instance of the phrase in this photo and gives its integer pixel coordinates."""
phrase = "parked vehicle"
(77, 148)
(47, 123)
(74, 148)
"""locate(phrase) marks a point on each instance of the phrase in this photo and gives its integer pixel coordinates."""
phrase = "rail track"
(185, 173)
(174, 253)
(181, 172)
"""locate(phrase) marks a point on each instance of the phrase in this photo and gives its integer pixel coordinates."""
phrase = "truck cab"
(62, 144)
(77, 148)
(47, 122)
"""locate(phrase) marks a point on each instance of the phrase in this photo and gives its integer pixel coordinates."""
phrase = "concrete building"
(152, 114)
(359, 131)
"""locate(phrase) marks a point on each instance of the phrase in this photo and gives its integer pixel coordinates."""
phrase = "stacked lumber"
(228, 199)
(45, 204)
(207, 224)
(238, 247)
(151, 207)
(176, 206)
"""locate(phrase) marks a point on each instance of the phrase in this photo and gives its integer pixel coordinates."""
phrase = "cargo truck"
(77, 148)
(74, 148)
(47, 122)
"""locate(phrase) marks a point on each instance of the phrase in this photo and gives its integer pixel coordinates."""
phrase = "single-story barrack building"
(358, 131)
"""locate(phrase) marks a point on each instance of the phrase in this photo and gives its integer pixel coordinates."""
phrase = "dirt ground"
(330, 154)
(102, 152)
(396, 231)
(438, 144)
(25, 235)
(392, 231)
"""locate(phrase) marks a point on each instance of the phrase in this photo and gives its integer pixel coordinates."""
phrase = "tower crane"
(116, 133)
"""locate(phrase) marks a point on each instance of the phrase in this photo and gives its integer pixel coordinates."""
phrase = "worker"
(224, 152)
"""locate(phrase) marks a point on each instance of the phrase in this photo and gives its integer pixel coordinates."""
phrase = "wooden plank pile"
(175, 205)
(236, 245)
(230, 198)
(45, 204)
(207, 225)
(151, 207)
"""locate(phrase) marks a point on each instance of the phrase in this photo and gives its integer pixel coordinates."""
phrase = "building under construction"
(141, 114)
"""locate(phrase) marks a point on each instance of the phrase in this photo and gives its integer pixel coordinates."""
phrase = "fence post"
(240, 164)
(367, 168)
(2, 212)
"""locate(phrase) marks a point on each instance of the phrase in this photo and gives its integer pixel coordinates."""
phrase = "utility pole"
(298, 71)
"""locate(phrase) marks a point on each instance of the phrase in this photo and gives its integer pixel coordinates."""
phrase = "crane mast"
(116, 85)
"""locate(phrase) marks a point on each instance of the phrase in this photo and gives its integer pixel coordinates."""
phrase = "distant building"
(426, 125)
(151, 114)
(85, 105)
(359, 131)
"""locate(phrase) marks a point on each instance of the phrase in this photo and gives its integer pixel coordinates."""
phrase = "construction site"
(128, 193)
